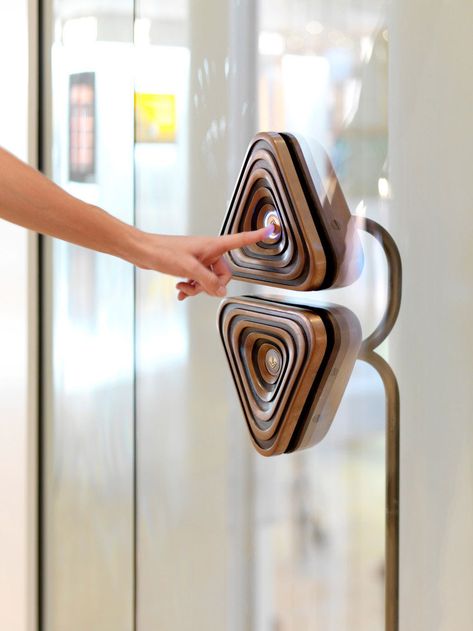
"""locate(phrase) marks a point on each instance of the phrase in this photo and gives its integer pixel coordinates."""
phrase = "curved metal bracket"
(367, 353)
(393, 258)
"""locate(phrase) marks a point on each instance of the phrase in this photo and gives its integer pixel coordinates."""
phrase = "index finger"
(241, 239)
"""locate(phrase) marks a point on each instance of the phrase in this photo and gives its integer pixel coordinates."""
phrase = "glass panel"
(226, 538)
(88, 426)
(320, 514)
(193, 571)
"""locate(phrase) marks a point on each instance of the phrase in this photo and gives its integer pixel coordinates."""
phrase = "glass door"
(88, 418)
(158, 513)
(227, 539)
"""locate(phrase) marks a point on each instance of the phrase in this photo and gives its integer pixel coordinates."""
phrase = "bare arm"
(29, 199)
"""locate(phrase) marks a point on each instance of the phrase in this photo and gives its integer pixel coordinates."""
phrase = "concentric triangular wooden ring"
(290, 365)
(316, 244)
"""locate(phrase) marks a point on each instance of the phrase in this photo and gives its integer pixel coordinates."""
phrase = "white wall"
(17, 334)
(431, 132)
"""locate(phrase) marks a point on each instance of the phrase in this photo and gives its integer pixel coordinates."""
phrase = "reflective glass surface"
(225, 539)
(88, 417)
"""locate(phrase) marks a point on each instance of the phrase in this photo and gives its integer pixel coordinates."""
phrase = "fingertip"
(254, 236)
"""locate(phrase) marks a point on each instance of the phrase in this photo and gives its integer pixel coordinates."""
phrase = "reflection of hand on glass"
(30, 200)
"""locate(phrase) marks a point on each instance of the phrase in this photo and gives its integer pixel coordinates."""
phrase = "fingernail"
(221, 291)
(270, 230)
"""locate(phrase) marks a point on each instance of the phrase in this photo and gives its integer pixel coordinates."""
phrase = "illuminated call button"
(272, 218)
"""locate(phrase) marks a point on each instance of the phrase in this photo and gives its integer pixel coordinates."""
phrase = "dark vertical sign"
(82, 127)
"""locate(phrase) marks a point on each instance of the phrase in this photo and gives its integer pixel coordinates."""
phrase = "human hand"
(198, 259)
(29, 199)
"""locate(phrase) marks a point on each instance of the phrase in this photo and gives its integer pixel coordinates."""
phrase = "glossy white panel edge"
(18, 332)
(431, 140)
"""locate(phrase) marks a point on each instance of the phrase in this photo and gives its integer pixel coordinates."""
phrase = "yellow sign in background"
(155, 117)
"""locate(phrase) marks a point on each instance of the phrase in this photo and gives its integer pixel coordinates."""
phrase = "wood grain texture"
(291, 405)
(317, 245)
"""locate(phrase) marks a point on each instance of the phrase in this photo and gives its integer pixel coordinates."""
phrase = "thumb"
(241, 239)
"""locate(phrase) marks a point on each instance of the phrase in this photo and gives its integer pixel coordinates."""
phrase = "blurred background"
(131, 496)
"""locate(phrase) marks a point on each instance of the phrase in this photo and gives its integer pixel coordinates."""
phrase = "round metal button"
(273, 362)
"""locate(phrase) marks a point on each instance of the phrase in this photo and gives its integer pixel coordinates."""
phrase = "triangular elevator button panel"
(315, 244)
(290, 365)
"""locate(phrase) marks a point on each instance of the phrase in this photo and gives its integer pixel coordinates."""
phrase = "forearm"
(30, 200)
